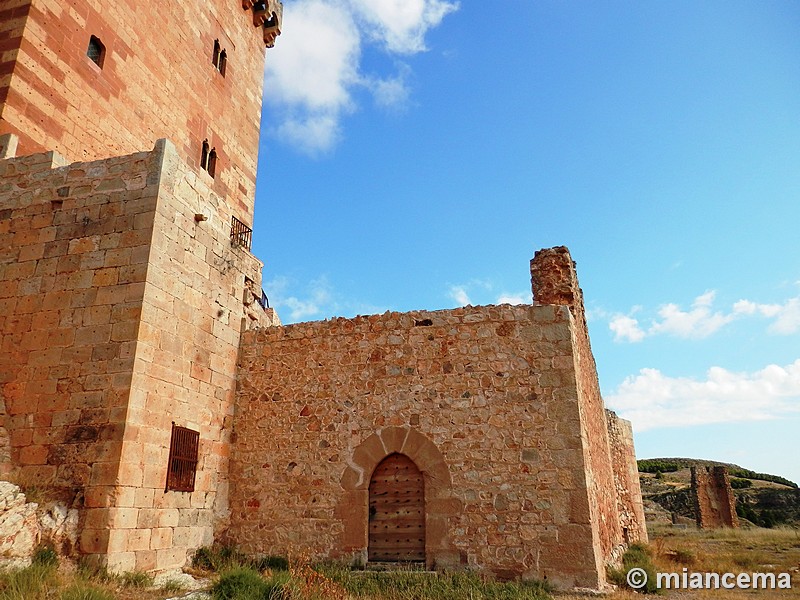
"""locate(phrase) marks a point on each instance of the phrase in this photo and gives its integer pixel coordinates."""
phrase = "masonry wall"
(554, 281)
(484, 400)
(73, 260)
(715, 504)
(626, 480)
(157, 81)
(122, 314)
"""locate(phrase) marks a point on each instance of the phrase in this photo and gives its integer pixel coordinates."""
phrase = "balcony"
(241, 234)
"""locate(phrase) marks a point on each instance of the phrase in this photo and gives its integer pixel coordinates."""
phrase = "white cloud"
(315, 67)
(459, 294)
(317, 300)
(401, 25)
(626, 329)
(520, 298)
(310, 72)
(702, 320)
(313, 300)
(653, 400)
(391, 92)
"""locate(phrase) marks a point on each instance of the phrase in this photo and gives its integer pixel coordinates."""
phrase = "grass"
(275, 578)
(35, 582)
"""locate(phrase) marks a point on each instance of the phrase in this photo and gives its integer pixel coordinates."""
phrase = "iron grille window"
(182, 468)
(241, 234)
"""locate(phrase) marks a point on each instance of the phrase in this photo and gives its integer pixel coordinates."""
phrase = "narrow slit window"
(204, 156)
(96, 51)
(212, 162)
(220, 58)
(223, 62)
(183, 453)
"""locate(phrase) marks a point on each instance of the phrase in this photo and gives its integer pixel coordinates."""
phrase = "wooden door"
(397, 511)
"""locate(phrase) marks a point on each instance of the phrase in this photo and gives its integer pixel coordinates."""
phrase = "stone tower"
(125, 273)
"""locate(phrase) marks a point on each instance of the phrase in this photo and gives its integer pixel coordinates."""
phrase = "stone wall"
(157, 80)
(554, 281)
(715, 504)
(626, 480)
(484, 400)
(121, 305)
(73, 261)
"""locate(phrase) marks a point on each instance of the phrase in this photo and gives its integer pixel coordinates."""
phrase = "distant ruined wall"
(626, 480)
(483, 400)
(554, 281)
(715, 504)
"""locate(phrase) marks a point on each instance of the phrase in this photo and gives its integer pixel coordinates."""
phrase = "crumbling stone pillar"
(715, 505)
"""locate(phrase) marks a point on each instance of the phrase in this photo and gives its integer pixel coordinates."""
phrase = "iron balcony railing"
(263, 301)
(241, 234)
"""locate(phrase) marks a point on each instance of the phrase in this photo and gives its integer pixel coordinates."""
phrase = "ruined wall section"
(74, 245)
(715, 504)
(626, 479)
(554, 281)
(490, 390)
(157, 80)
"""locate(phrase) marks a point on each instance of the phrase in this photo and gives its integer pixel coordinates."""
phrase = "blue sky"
(415, 154)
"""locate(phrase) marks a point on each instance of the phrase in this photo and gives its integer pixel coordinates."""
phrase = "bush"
(45, 556)
(218, 558)
(655, 465)
(636, 556)
(244, 583)
(738, 483)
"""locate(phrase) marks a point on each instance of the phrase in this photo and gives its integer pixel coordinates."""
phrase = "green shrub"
(637, 556)
(244, 583)
(276, 563)
(45, 556)
(738, 483)
(218, 558)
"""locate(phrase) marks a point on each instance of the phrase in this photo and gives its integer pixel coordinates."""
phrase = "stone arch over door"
(440, 503)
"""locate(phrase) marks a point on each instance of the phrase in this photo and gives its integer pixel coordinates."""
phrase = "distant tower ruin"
(714, 502)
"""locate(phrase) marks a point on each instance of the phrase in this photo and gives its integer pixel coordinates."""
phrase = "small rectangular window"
(96, 51)
(183, 453)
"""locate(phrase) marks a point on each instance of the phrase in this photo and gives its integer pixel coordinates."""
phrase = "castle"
(144, 376)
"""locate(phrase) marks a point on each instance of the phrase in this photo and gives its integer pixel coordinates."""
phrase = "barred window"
(183, 450)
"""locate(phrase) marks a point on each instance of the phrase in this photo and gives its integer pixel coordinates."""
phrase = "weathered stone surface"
(714, 502)
(19, 527)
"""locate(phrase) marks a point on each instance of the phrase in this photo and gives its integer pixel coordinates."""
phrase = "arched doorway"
(397, 511)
